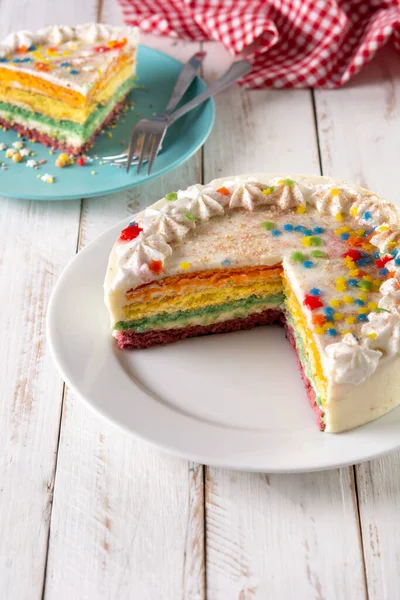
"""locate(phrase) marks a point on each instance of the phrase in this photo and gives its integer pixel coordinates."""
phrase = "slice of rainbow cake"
(61, 85)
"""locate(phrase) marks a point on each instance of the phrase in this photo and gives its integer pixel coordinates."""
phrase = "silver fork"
(185, 78)
(155, 127)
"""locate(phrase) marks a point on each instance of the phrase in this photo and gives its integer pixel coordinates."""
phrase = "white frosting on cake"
(332, 199)
(246, 193)
(382, 332)
(200, 202)
(350, 361)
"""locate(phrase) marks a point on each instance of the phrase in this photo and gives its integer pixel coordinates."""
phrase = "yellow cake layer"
(310, 347)
(32, 83)
(58, 109)
(186, 282)
(205, 297)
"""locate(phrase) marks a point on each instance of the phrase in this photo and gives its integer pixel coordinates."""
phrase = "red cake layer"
(160, 337)
(132, 339)
(47, 140)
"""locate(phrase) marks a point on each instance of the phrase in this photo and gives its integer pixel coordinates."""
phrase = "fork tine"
(116, 156)
(147, 138)
(132, 146)
(154, 151)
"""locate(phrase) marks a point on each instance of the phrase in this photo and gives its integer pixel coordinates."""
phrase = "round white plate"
(234, 400)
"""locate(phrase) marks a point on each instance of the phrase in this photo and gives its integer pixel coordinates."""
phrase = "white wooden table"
(87, 511)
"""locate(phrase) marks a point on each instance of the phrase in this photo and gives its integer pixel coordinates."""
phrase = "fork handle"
(184, 80)
(237, 70)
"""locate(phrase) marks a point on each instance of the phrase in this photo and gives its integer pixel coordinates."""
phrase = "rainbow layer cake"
(62, 85)
(319, 256)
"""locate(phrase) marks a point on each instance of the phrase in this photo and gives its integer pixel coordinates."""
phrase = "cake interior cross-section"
(62, 85)
(317, 255)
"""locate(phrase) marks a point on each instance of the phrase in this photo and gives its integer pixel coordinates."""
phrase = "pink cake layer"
(160, 337)
(47, 140)
(309, 388)
(131, 339)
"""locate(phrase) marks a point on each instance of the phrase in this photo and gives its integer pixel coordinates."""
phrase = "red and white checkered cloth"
(298, 43)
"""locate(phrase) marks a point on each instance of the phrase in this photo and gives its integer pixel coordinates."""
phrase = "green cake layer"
(64, 129)
(203, 316)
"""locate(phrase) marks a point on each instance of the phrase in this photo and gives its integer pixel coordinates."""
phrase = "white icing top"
(246, 193)
(201, 202)
(330, 199)
(289, 193)
(382, 332)
(207, 227)
(167, 222)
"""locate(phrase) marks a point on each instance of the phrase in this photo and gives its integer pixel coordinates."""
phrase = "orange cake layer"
(178, 284)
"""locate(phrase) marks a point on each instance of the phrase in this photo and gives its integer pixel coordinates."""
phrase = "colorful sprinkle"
(312, 302)
(171, 196)
(318, 230)
(335, 303)
(318, 320)
(297, 257)
(301, 210)
(222, 190)
(315, 292)
(288, 227)
(268, 190)
(365, 285)
(353, 254)
(348, 299)
(300, 228)
(308, 264)
(362, 317)
(80, 161)
(367, 215)
(130, 233)
(268, 225)
(318, 254)
(350, 320)
(352, 282)
(276, 232)
(189, 216)
(345, 236)
(331, 331)
(185, 265)
(156, 266)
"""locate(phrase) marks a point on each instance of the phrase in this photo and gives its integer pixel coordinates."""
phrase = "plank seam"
(315, 115)
(64, 391)
(99, 14)
(359, 527)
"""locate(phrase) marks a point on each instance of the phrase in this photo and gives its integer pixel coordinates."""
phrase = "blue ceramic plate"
(157, 73)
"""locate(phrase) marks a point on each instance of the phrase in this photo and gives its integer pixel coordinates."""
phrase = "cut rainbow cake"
(319, 256)
(61, 85)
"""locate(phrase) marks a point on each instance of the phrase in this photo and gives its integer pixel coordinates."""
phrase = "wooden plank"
(278, 536)
(37, 241)
(359, 128)
(127, 521)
